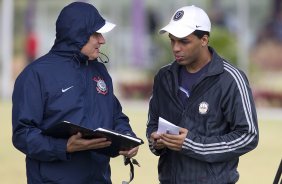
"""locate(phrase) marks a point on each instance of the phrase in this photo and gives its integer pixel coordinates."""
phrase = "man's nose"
(176, 47)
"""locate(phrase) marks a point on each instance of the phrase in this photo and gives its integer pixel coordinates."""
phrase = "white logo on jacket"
(203, 108)
(66, 89)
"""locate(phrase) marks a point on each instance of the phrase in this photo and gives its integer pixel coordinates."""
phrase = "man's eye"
(184, 41)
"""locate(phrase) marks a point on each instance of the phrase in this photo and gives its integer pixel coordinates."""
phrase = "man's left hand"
(130, 153)
(174, 142)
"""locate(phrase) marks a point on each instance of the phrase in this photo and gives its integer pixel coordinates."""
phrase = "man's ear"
(205, 40)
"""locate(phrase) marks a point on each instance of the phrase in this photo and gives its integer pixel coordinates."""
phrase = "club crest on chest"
(101, 85)
(203, 108)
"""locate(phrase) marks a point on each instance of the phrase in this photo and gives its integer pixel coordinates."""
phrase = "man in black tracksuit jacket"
(209, 99)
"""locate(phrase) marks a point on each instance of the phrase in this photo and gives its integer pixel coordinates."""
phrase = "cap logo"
(178, 15)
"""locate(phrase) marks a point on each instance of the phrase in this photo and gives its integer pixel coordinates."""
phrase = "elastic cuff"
(61, 149)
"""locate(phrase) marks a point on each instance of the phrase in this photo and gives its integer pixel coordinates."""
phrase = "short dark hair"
(200, 33)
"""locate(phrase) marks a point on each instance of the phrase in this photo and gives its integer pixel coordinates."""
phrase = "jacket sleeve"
(239, 111)
(27, 114)
(121, 121)
(152, 124)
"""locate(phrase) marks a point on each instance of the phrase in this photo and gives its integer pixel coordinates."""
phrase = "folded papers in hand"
(167, 127)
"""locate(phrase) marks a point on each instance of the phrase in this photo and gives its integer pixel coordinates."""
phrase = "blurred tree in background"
(225, 43)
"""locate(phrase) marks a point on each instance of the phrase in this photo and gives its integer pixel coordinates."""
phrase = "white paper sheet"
(167, 127)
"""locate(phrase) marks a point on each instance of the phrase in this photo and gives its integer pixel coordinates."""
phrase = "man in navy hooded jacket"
(68, 84)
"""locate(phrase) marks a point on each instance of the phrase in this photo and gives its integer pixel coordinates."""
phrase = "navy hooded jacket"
(63, 85)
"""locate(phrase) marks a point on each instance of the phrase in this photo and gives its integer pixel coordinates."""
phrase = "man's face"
(91, 48)
(186, 50)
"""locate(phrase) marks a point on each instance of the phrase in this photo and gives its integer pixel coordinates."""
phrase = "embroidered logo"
(203, 108)
(178, 15)
(66, 89)
(101, 85)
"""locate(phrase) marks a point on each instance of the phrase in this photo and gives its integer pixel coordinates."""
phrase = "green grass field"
(258, 166)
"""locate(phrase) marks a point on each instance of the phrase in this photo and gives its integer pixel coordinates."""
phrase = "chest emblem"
(203, 108)
(101, 85)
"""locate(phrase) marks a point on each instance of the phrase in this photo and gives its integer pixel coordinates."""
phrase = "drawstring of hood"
(80, 58)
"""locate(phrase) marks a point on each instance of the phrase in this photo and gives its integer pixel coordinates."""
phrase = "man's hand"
(130, 153)
(76, 143)
(156, 139)
(174, 142)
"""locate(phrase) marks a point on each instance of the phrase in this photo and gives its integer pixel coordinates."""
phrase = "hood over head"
(75, 24)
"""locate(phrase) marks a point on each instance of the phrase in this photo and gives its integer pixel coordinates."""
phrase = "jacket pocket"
(49, 173)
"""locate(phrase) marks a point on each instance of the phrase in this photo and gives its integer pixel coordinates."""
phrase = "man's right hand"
(77, 143)
(156, 139)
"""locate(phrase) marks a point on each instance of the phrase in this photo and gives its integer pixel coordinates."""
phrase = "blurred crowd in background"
(248, 33)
